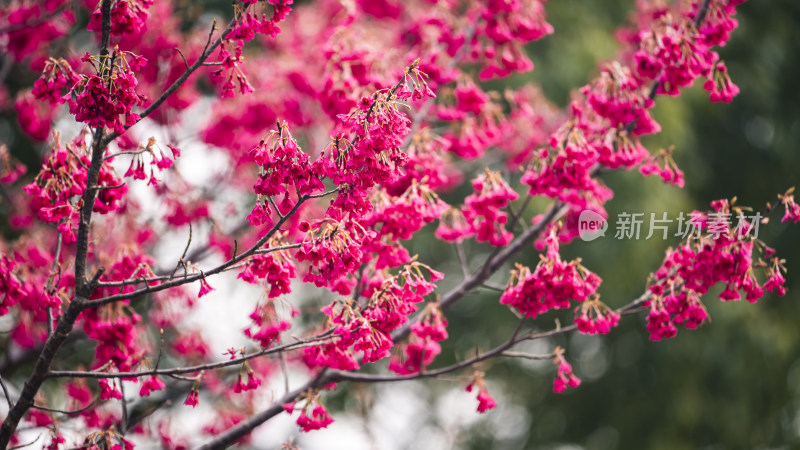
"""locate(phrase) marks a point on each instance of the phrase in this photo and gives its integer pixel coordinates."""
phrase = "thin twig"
(65, 412)
(181, 260)
(26, 445)
(184, 58)
(6, 393)
(462, 259)
(192, 369)
(285, 373)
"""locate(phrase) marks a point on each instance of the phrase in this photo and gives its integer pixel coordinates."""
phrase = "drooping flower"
(564, 377)
(485, 400)
(152, 383)
(482, 208)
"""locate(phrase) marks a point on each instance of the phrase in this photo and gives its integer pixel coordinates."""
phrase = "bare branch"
(182, 259)
(65, 412)
(192, 369)
(28, 444)
(6, 393)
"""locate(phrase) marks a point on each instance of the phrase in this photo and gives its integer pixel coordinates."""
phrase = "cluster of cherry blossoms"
(63, 178)
(723, 255)
(551, 285)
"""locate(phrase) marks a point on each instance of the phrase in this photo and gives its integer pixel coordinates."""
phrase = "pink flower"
(276, 269)
(594, 317)
(253, 382)
(482, 209)
(485, 400)
(720, 86)
(564, 377)
(192, 399)
(205, 288)
(109, 391)
(152, 383)
(127, 17)
(313, 416)
(792, 208)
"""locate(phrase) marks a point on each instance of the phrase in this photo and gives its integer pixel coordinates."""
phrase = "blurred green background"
(733, 383)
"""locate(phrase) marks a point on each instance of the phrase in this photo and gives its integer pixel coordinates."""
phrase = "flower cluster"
(400, 217)
(332, 250)
(453, 226)
(663, 165)
(63, 178)
(127, 17)
(9, 286)
(152, 383)
(248, 23)
(423, 344)
(482, 209)
(150, 157)
(367, 329)
(230, 55)
(10, 170)
(426, 160)
(690, 270)
(269, 325)
(551, 285)
(564, 170)
(485, 400)
(282, 164)
(564, 376)
(508, 25)
(275, 268)
(313, 415)
(114, 326)
(373, 156)
(107, 98)
(720, 86)
(792, 213)
(594, 317)
(253, 382)
(29, 26)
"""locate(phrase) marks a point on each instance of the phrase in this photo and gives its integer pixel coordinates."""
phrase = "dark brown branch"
(83, 289)
(198, 276)
(230, 436)
(182, 259)
(26, 445)
(6, 393)
(192, 369)
(66, 412)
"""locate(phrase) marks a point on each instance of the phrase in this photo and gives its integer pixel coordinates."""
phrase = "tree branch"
(83, 289)
(191, 369)
(182, 79)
